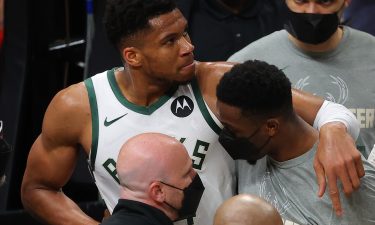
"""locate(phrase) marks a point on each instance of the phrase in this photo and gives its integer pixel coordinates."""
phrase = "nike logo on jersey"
(108, 123)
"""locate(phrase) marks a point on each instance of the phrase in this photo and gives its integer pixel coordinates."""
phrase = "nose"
(312, 7)
(186, 46)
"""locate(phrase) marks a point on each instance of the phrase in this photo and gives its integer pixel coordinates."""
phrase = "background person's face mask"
(241, 148)
(192, 197)
(311, 28)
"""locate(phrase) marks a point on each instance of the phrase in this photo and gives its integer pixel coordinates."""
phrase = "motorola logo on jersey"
(182, 106)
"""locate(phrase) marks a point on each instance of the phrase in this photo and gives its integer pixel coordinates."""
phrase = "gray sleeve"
(240, 56)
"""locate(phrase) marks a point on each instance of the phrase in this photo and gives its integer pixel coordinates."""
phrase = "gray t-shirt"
(291, 187)
(344, 75)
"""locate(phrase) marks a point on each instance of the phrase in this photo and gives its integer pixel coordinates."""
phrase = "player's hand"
(337, 157)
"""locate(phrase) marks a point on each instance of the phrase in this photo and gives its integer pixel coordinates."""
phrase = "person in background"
(158, 182)
(219, 28)
(321, 56)
(360, 15)
(244, 209)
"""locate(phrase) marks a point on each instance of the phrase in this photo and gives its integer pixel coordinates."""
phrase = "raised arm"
(53, 156)
(337, 156)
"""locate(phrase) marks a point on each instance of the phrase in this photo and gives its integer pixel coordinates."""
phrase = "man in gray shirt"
(277, 148)
(323, 58)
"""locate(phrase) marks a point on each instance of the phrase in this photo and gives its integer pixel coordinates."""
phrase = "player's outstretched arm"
(53, 156)
(337, 156)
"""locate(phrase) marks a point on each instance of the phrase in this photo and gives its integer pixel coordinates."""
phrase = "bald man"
(158, 182)
(246, 209)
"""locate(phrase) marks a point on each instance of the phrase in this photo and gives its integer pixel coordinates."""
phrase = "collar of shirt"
(220, 12)
(142, 210)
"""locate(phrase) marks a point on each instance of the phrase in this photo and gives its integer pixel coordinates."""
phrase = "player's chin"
(186, 73)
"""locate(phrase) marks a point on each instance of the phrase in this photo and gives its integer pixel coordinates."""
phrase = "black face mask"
(241, 148)
(192, 196)
(311, 28)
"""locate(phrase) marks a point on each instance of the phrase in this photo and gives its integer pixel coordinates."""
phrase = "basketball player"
(160, 88)
(280, 147)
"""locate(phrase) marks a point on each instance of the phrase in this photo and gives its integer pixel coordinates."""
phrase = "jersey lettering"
(365, 117)
(288, 222)
(199, 154)
(110, 167)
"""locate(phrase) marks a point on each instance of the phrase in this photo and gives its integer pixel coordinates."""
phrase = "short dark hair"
(257, 88)
(124, 18)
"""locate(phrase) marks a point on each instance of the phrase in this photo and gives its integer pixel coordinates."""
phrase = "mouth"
(189, 64)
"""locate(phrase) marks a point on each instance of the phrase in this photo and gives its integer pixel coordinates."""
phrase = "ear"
(132, 56)
(272, 126)
(156, 192)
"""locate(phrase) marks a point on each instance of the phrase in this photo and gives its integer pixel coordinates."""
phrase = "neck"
(140, 89)
(300, 137)
(142, 197)
(328, 45)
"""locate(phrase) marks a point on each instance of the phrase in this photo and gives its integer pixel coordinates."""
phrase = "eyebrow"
(173, 34)
(170, 35)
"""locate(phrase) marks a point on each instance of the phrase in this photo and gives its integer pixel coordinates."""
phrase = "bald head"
(150, 157)
(246, 210)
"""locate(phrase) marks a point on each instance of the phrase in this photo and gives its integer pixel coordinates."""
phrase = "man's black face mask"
(311, 28)
(192, 196)
(242, 148)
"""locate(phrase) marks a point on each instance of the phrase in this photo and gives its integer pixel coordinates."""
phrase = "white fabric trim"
(333, 112)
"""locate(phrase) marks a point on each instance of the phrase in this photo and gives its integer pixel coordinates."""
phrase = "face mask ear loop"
(171, 186)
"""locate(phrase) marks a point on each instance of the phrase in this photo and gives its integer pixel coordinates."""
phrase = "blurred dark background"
(43, 52)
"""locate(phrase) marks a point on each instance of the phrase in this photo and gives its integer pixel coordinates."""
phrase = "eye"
(170, 41)
(325, 2)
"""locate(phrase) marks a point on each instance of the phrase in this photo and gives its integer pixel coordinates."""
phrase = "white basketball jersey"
(180, 113)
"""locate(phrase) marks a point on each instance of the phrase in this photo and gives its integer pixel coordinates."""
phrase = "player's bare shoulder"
(212, 70)
(68, 115)
(208, 75)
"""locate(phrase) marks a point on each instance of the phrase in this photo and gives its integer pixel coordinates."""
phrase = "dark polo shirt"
(217, 33)
(136, 213)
